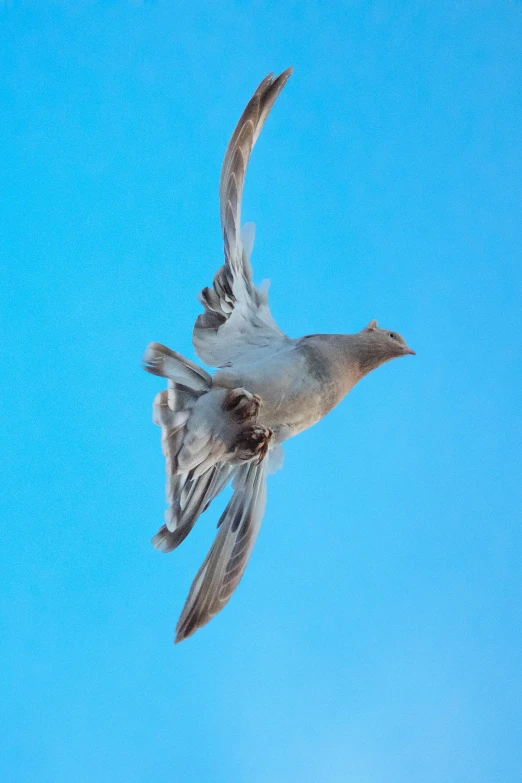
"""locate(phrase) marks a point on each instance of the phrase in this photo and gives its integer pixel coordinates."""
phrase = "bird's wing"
(225, 563)
(237, 322)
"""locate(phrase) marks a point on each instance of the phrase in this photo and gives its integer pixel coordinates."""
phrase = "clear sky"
(376, 636)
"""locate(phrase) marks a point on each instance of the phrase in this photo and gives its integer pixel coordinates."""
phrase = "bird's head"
(377, 346)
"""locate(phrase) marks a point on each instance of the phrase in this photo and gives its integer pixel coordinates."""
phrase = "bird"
(266, 388)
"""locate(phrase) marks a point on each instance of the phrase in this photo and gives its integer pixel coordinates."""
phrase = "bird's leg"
(242, 405)
(252, 441)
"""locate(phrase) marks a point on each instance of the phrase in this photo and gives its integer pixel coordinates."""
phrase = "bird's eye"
(392, 335)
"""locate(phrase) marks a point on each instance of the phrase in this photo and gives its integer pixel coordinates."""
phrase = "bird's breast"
(297, 389)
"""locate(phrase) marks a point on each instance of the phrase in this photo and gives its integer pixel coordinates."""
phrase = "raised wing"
(237, 324)
(224, 565)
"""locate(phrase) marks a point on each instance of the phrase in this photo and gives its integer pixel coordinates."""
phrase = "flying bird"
(268, 387)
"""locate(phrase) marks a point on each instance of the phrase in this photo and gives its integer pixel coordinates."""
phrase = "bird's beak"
(408, 351)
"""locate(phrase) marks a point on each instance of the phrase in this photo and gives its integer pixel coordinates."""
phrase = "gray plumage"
(267, 388)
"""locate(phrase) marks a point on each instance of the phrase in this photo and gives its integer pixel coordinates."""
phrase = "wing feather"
(237, 321)
(225, 564)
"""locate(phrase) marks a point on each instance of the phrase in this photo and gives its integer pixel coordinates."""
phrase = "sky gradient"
(376, 636)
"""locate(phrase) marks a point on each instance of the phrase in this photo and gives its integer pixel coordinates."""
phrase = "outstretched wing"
(224, 565)
(237, 323)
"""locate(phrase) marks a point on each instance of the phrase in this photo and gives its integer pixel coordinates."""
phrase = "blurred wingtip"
(284, 76)
(181, 635)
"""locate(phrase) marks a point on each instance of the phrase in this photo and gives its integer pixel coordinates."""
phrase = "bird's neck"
(360, 354)
(339, 361)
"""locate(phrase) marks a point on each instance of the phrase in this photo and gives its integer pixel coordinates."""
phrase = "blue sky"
(376, 634)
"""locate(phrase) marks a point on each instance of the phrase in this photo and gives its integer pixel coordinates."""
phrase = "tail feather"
(194, 474)
(199, 493)
(160, 360)
(198, 442)
(165, 415)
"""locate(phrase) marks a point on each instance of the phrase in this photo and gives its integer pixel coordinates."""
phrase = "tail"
(193, 421)
(189, 499)
(194, 477)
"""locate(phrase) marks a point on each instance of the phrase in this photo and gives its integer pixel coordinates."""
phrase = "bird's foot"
(252, 441)
(242, 404)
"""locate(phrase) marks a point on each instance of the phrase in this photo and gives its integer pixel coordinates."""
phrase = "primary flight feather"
(268, 388)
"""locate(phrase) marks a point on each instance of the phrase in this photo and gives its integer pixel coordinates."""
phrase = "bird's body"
(298, 385)
(267, 389)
